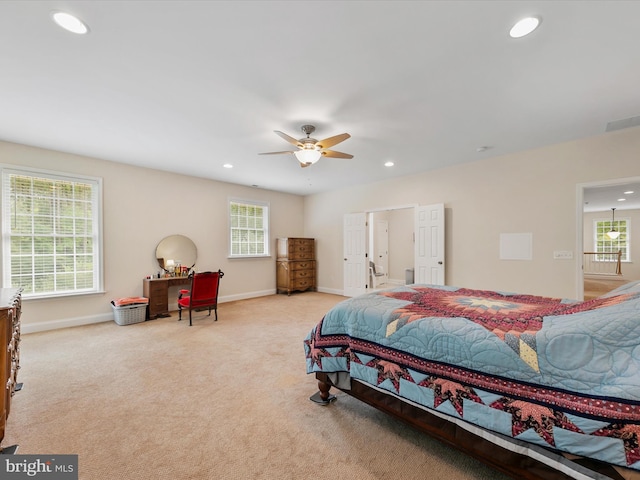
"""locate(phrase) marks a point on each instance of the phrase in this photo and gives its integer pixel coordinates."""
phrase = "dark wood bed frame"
(510, 463)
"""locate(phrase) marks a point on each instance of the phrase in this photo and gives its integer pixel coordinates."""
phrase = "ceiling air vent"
(625, 123)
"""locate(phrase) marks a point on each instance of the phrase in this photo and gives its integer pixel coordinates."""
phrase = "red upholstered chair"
(203, 294)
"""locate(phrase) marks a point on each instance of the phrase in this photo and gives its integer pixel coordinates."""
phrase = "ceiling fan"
(309, 149)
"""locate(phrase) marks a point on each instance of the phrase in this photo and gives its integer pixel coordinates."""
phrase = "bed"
(537, 387)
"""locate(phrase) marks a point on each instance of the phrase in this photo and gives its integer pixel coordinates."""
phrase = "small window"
(607, 245)
(249, 228)
(51, 233)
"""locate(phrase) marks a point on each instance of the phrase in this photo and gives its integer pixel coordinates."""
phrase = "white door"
(381, 256)
(355, 254)
(429, 245)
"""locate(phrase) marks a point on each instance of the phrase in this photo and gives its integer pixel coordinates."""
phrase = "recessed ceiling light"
(524, 27)
(70, 23)
(227, 165)
(628, 192)
(388, 164)
(622, 199)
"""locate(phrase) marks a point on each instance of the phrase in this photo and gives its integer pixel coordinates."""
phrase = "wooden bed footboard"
(502, 459)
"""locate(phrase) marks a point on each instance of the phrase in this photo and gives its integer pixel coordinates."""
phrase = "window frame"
(265, 227)
(96, 232)
(625, 236)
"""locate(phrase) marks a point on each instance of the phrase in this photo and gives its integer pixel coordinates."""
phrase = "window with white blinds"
(249, 229)
(51, 233)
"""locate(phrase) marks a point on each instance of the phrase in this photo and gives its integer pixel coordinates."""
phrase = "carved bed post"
(324, 390)
(323, 397)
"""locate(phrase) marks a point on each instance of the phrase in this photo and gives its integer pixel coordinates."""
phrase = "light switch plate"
(562, 254)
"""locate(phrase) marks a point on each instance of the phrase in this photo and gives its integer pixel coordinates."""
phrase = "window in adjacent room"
(605, 244)
(51, 233)
(249, 228)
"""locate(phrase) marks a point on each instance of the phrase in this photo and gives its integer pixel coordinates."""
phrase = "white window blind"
(51, 233)
(249, 228)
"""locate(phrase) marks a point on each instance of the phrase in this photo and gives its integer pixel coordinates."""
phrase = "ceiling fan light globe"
(69, 22)
(524, 27)
(307, 156)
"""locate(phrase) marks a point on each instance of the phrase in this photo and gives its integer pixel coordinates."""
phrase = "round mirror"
(176, 249)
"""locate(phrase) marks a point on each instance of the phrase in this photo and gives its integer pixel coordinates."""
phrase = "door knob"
(439, 263)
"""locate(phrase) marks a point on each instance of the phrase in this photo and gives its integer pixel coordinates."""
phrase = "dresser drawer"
(310, 264)
(301, 251)
(302, 283)
(296, 248)
(158, 302)
(304, 242)
(297, 274)
(158, 288)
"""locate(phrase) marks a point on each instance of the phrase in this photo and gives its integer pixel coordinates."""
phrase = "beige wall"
(533, 191)
(141, 207)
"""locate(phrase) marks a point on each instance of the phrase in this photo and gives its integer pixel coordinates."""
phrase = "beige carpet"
(219, 400)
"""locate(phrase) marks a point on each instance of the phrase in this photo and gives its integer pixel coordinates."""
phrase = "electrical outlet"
(562, 255)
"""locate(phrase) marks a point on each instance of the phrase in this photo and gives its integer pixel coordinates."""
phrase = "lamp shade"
(613, 233)
(308, 156)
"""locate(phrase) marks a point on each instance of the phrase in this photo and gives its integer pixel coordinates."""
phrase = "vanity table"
(172, 250)
(157, 291)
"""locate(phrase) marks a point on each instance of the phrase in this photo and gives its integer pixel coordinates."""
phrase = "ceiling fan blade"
(331, 141)
(291, 140)
(277, 153)
(334, 154)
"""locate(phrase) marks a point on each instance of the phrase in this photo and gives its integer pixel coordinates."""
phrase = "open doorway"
(390, 246)
(421, 234)
(597, 273)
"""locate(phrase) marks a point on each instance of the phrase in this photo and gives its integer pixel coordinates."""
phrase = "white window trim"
(259, 203)
(6, 245)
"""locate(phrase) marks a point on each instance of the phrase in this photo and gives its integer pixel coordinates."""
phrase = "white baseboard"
(331, 290)
(245, 296)
(26, 328)
(108, 317)
(64, 323)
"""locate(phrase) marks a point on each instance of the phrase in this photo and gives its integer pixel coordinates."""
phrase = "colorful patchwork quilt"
(558, 373)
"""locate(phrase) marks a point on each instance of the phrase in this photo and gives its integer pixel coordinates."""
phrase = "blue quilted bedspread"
(554, 372)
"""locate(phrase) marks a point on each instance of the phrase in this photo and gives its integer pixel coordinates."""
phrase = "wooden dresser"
(295, 264)
(10, 309)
